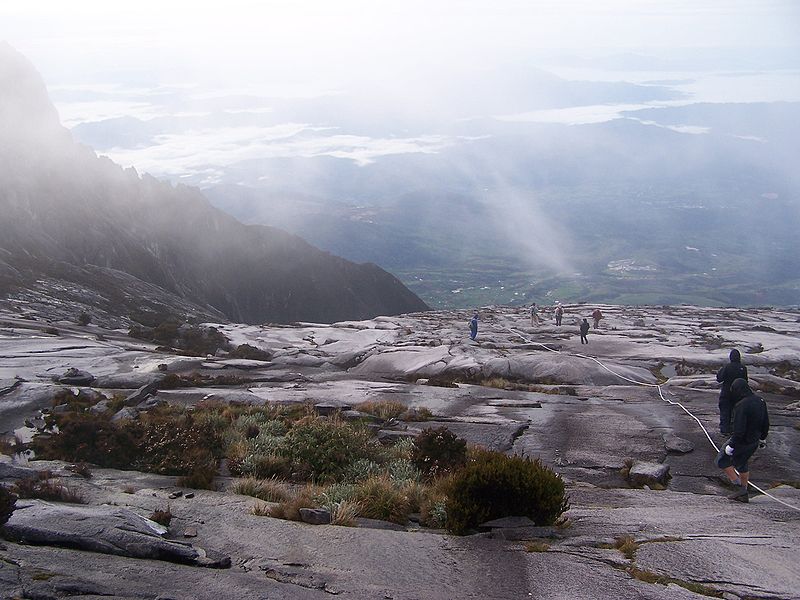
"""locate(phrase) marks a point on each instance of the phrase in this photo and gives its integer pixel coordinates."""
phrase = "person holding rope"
(750, 429)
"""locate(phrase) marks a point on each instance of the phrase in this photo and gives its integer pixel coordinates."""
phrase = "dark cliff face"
(68, 217)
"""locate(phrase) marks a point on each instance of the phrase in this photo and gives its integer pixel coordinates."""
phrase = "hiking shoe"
(740, 496)
(731, 485)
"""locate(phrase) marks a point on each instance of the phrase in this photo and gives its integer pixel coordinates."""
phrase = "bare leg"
(745, 478)
(731, 473)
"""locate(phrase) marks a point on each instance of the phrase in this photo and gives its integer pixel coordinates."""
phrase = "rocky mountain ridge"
(80, 233)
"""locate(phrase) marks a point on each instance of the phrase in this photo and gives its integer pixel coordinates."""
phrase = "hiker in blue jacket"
(473, 327)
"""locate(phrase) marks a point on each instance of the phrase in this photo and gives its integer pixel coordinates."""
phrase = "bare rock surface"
(106, 530)
(531, 391)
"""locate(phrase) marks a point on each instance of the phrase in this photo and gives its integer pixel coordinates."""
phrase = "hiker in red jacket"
(597, 315)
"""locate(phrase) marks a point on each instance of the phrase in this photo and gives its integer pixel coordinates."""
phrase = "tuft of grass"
(344, 513)
(627, 545)
(44, 488)
(417, 414)
(382, 499)
(383, 409)
(651, 577)
(795, 483)
(626, 470)
(537, 546)
(262, 510)
(290, 509)
(500, 383)
(162, 516)
(268, 490)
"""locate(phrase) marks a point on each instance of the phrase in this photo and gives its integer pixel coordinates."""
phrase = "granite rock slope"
(681, 535)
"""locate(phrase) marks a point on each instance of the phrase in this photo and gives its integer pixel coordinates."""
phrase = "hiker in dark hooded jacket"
(726, 376)
(750, 429)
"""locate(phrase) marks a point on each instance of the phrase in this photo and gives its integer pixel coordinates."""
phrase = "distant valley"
(538, 188)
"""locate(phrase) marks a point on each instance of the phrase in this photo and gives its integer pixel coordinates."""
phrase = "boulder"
(648, 473)
(73, 376)
(100, 407)
(150, 403)
(676, 444)
(141, 394)
(103, 529)
(127, 381)
(315, 516)
(125, 413)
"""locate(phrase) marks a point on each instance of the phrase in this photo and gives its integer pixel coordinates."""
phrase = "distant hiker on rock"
(750, 429)
(584, 331)
(597, 315)
(559, 313)
(473, 327)
(534, 315)
(726, 376)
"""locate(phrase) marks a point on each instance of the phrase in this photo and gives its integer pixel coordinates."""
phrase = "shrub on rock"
(493, 485)
(7, 501)
(438, 451)
(250, 352)
(322, 448)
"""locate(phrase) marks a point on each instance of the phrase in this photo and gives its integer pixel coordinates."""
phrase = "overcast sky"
(208, 79)
(333, 41)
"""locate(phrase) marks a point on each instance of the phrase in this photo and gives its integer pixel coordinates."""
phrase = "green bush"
(322, 449)
(7, 501)
(438, 451)
(493, 485)
(84, 318)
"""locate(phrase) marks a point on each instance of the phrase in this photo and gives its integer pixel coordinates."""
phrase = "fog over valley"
(637, 153)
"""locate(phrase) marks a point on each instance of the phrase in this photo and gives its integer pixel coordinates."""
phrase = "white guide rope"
(660, 393)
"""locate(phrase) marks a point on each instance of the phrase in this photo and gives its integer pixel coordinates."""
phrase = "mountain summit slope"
(79, 232)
